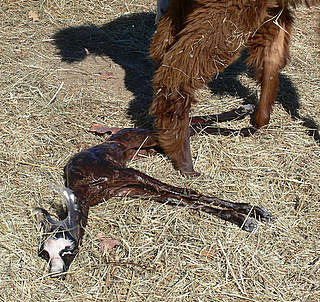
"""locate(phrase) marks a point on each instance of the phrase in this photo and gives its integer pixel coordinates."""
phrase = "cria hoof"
(262, 214)
(191, 174)
(249, 225)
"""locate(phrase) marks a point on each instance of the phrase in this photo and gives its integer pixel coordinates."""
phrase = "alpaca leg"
(138, 184)
(232, 115)
(191, 61)
(269, 51)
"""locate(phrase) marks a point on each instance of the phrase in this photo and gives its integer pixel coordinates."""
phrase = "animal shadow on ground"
(126, 41)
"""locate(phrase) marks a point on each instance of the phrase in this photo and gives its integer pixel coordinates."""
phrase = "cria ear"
(41, 222)
(71, 223)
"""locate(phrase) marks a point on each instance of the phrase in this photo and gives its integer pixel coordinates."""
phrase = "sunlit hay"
(166, 254)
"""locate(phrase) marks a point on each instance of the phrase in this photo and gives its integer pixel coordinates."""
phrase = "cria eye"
(44, 254)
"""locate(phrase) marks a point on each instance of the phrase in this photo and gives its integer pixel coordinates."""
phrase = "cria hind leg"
(259, 213)
(141, 185)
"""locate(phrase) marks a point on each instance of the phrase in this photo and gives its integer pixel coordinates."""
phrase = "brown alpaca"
(197, 39)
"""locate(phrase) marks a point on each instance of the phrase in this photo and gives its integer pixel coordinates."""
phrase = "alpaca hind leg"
(269, 51)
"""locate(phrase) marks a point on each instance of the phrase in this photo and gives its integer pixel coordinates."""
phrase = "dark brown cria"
(100, 173)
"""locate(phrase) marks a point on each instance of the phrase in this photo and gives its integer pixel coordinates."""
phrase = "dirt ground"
(68, 64)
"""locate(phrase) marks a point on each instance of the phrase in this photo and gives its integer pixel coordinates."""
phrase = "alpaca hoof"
(190, 174)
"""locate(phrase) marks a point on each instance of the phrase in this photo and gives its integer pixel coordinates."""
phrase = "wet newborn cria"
(99, 173)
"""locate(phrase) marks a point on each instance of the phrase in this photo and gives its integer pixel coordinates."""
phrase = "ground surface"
(67, 64)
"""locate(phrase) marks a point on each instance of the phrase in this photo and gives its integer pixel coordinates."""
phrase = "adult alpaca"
(196, 39)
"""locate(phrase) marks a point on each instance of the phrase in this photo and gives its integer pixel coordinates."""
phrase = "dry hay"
(166, 254)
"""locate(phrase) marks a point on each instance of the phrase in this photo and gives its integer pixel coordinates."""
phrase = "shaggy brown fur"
(197, 39)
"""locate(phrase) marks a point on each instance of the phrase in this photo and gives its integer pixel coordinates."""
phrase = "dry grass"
(49, 100)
